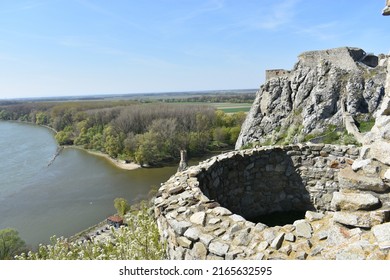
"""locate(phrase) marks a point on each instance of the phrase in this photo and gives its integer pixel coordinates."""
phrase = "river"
(73, 193)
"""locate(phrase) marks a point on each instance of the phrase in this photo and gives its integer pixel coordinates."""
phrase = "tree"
(140, 240)
(10, 244)
(121, 205)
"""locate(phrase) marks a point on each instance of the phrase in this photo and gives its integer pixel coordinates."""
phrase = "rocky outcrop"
(324, 90)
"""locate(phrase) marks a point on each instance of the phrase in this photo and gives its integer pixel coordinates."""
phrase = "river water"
(73, 193)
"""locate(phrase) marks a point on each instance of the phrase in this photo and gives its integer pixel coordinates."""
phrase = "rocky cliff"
(325, 91)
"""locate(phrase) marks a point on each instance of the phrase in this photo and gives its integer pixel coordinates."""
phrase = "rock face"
(325, 90)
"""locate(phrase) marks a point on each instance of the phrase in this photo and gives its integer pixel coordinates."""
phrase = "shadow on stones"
(280, 218)
(263, 187)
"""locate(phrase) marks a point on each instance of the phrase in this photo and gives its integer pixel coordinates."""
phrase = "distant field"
(232, 107)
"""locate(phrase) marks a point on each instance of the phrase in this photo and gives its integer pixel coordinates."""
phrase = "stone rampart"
(343, 58)
(207, 211)
(276, 73)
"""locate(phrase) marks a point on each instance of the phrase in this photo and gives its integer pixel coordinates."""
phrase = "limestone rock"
(199, 251)
(179, 227)
(380, 150)
(386, 175)
(312, 96)
(382, 234)
(242, 239)
(354, 201)
(184, 242)
(289, 237)
(198, 218)
(263, 245)
(352, 252)
(313, 216)
(218, 248)
(206, 238)
(192, 233)
(359, 164)
(221, 211)
(303, 229)
(277, 242)
(176, 190)
(348, 179)
(360, 218)
(336, 236)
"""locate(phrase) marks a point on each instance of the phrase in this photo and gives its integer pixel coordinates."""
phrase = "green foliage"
(122, 206)
(41, 118)
(366, 126)
(139, 240)
(4, 115)
(65, 137)
(292, 132)
(151, 133)
(10, 244)
(333, 136)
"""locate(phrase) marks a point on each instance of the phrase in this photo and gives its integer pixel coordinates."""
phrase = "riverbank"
(118, 163)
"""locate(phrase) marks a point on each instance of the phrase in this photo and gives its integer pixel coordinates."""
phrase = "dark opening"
(265, 187)
(280, 218)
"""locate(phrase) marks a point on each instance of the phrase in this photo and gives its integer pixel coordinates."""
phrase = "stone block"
(199, 251)
(192, 233)
(184, 242)
(313, 216)
(198, 218)
(348, 179)
(242, 239)
(354, 201)
(206, 238)
(352, 252)
(218, 248)
(303, 229)
(277, 242)
(289, 237)
(360, 218)
(263, 245)
(214, 221)
(221, 211)
(179, 227)
(382, 235)
(176, 190)
(359, 164)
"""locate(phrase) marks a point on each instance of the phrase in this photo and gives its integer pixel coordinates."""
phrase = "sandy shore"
(118, 163)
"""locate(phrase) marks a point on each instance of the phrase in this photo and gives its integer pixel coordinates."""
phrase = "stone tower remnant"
(386, 10)
(183, 161)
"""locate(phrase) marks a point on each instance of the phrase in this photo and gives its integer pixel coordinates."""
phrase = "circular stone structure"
(212, 210)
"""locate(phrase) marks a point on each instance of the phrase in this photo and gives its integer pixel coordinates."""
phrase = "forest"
(148, 133)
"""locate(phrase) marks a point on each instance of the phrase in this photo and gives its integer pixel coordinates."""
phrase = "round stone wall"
(205, 212)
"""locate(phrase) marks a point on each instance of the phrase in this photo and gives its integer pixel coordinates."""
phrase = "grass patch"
(366, 126)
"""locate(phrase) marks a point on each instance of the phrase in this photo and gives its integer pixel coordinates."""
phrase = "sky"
(86, 47)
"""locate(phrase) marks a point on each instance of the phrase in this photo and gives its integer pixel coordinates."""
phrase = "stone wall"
(204, 211)
(276, 73)
(343, 58)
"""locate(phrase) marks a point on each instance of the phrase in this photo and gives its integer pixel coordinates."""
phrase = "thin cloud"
(23, 6)
(273, 16)
(322, 32)
(97, 9)
(211, 6)
(97, 47)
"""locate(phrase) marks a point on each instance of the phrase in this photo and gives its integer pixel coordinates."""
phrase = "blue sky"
(82, 47)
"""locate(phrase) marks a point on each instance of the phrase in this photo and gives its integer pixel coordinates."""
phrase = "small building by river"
(115, 221)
